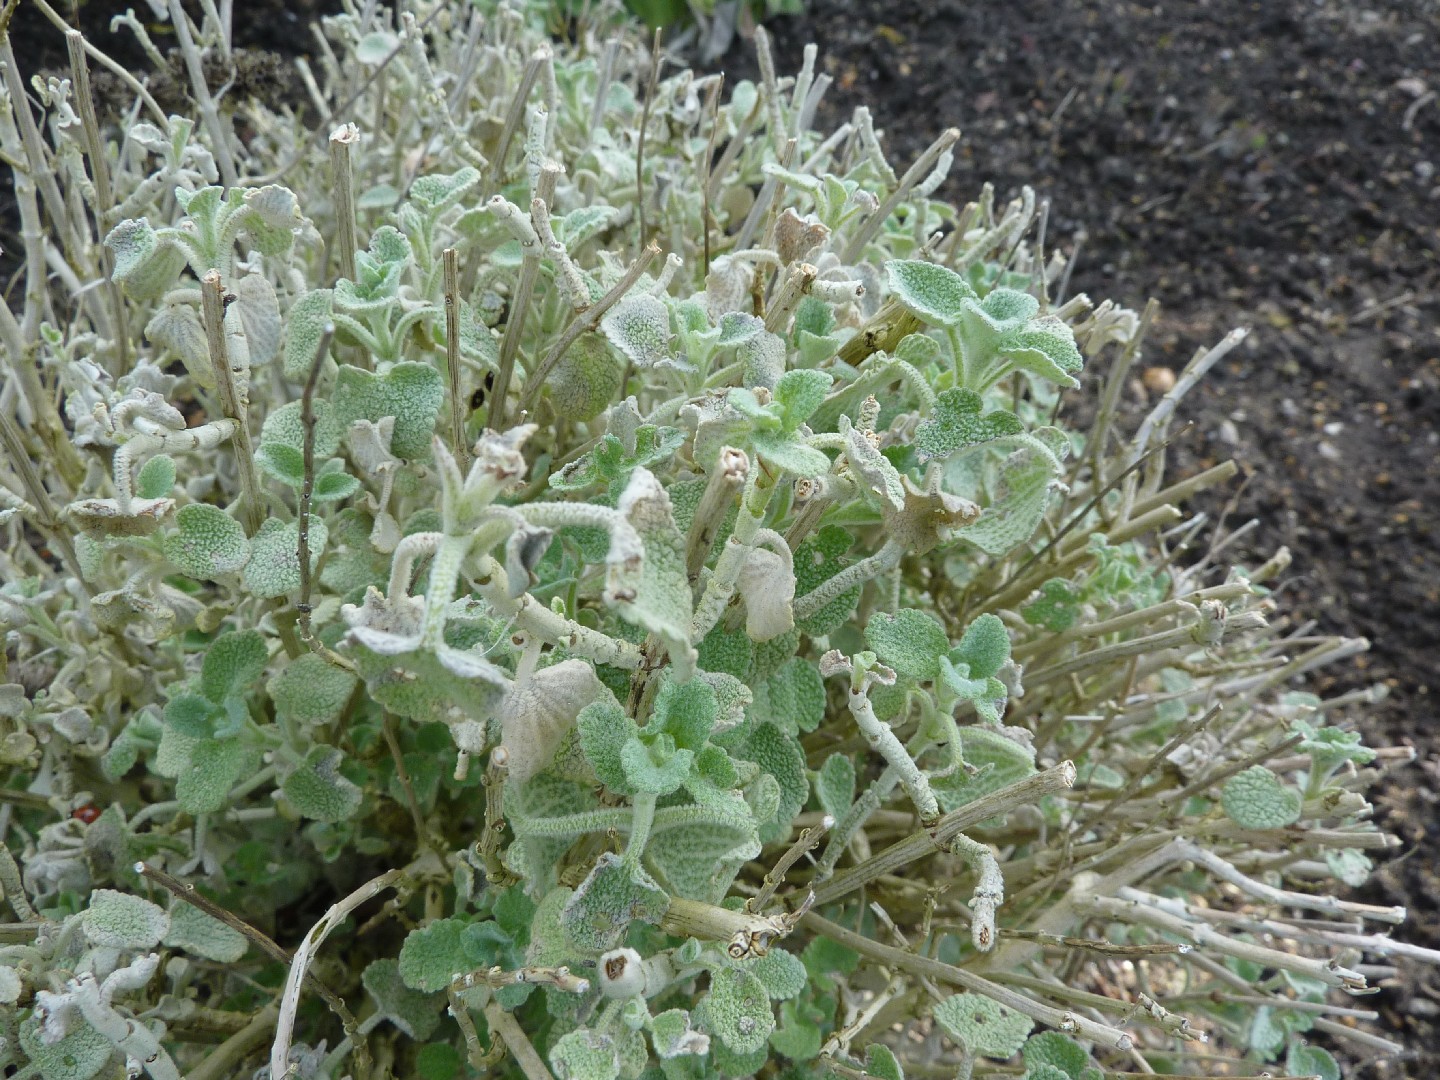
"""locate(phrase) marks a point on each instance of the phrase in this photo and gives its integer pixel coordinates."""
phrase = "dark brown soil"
(1265, 163)
(1274, 165)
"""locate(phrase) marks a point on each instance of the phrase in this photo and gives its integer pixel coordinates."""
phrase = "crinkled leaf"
(305, 324)
(673, 1036)
(192, 715)
(662, 600)
(311, 691)
(779, 755)
(957, 422)
(176, 329)
(117, 920)
(767, 586)
(612, 896)
(146, 264)
(835, 785)
(203, 935)
(793, 699)
(1258, 799)
(1057, 1050)
(639, 326)
(233, 664)
(317, 789)
(1026, 479)
(1056, 607)
(799, 393)
(737, 1009)
(274, 566)
(984, 648)
(987, 1028)
(410, 392)
(156, 477)
(586, 379)
(435, 192)
(284, 463)
(585, 1055)
(1305, 1060)
(285, 427)
(604, 730)
(685, 711)
(880, 1063)
(1045, 348)
(215, 766)
(414, 1012)
(433, 955)
(657, 767)
(816, 561)
(932, 292)
(998, 760)
(780, 972)
(80, 1055)
(259, 311)
(911, 642)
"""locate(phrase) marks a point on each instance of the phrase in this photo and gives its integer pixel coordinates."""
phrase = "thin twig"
(458, 443)
(503, 1024)
(655, 61)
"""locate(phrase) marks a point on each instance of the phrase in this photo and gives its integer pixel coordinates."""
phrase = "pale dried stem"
(233, 398)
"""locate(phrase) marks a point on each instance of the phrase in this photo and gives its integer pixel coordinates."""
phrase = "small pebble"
(1158, 380)
(1228, 433)
(1328, 451)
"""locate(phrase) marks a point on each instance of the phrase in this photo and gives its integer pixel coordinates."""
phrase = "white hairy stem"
(882, 739)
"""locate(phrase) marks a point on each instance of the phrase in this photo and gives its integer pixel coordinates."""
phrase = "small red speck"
(87, 813)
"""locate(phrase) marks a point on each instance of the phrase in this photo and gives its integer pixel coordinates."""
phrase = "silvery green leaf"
(259, 311)
(911, 642)
(799, 393)
(319, 790)
(939, 296)
(274, 566)
(1258, 799)
(788, 452)
(305, 324)
(604, 730)
(284, 427)
(477, 341)
(738, 1010)
(146, 263)
(872, 467)
(214, 767)
(433, 955)
(639, 326)
(586, 379)
(272, 218)
(206, 543)
(80, 1055)
(580, 225)
(585, 1055)
(10, 985)
(233, 664)
(999, 761)
(310, 691)
(598, 914)
(984, 648)
(176, 329)
(835, 785)
(763, 357)
(118, 920)
(767, 585)
(672, 1035)
(374, 47)
(983, 1025)
(414, 1012)
(204, 936)
(410, 392)
(661, 602)
(1026, 480)
(957, 422)
(156, 477)
(1046, 348)
(435, 192)
(656, 767)
(538, 712)
(284, 463)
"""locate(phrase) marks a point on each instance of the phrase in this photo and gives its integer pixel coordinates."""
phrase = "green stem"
(640, 823)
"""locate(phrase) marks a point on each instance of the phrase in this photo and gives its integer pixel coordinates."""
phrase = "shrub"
(445, 633)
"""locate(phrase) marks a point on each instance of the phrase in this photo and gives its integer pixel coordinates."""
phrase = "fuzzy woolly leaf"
(586, 379)
(612, 896)
(259, 311)
(956, 422)
(1305, 1060)
(737, 1009)
(214, 767)
(686, 711)
(932, 292)
(410, 392)
(816, 561)
(10, 985)
(156, 477)
(1045, 348)
(204, 936)
(1257, 799)
(585, 1055)
(639, 326)
(414, 1012)
(117, 920)
(662, 601)
(999, 761)
(318, 790)
(604, 730)
(538, 712)
(984, 648)
(433, 955)
(767, 585)
(435, 192)
(986, 1027)
(793, 699)
(657, 768)
(274, 566)
(799, 393)
(304, 329)
(672, 1035)
(780, 756)
(285, 427)
(206, 543)
(780, 972)
(311, 691)
(80, 1055)
(1058, 1051)
(835, 785)
(284, 463)
(1026, 480)
(880, 1063)
(1056, 607)
(1350, 865)
(911, 642)
(792, 455)
(232, 664)
(146, 264)
(176, 329)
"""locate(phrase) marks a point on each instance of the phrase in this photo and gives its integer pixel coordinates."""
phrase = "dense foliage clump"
(580, 574)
